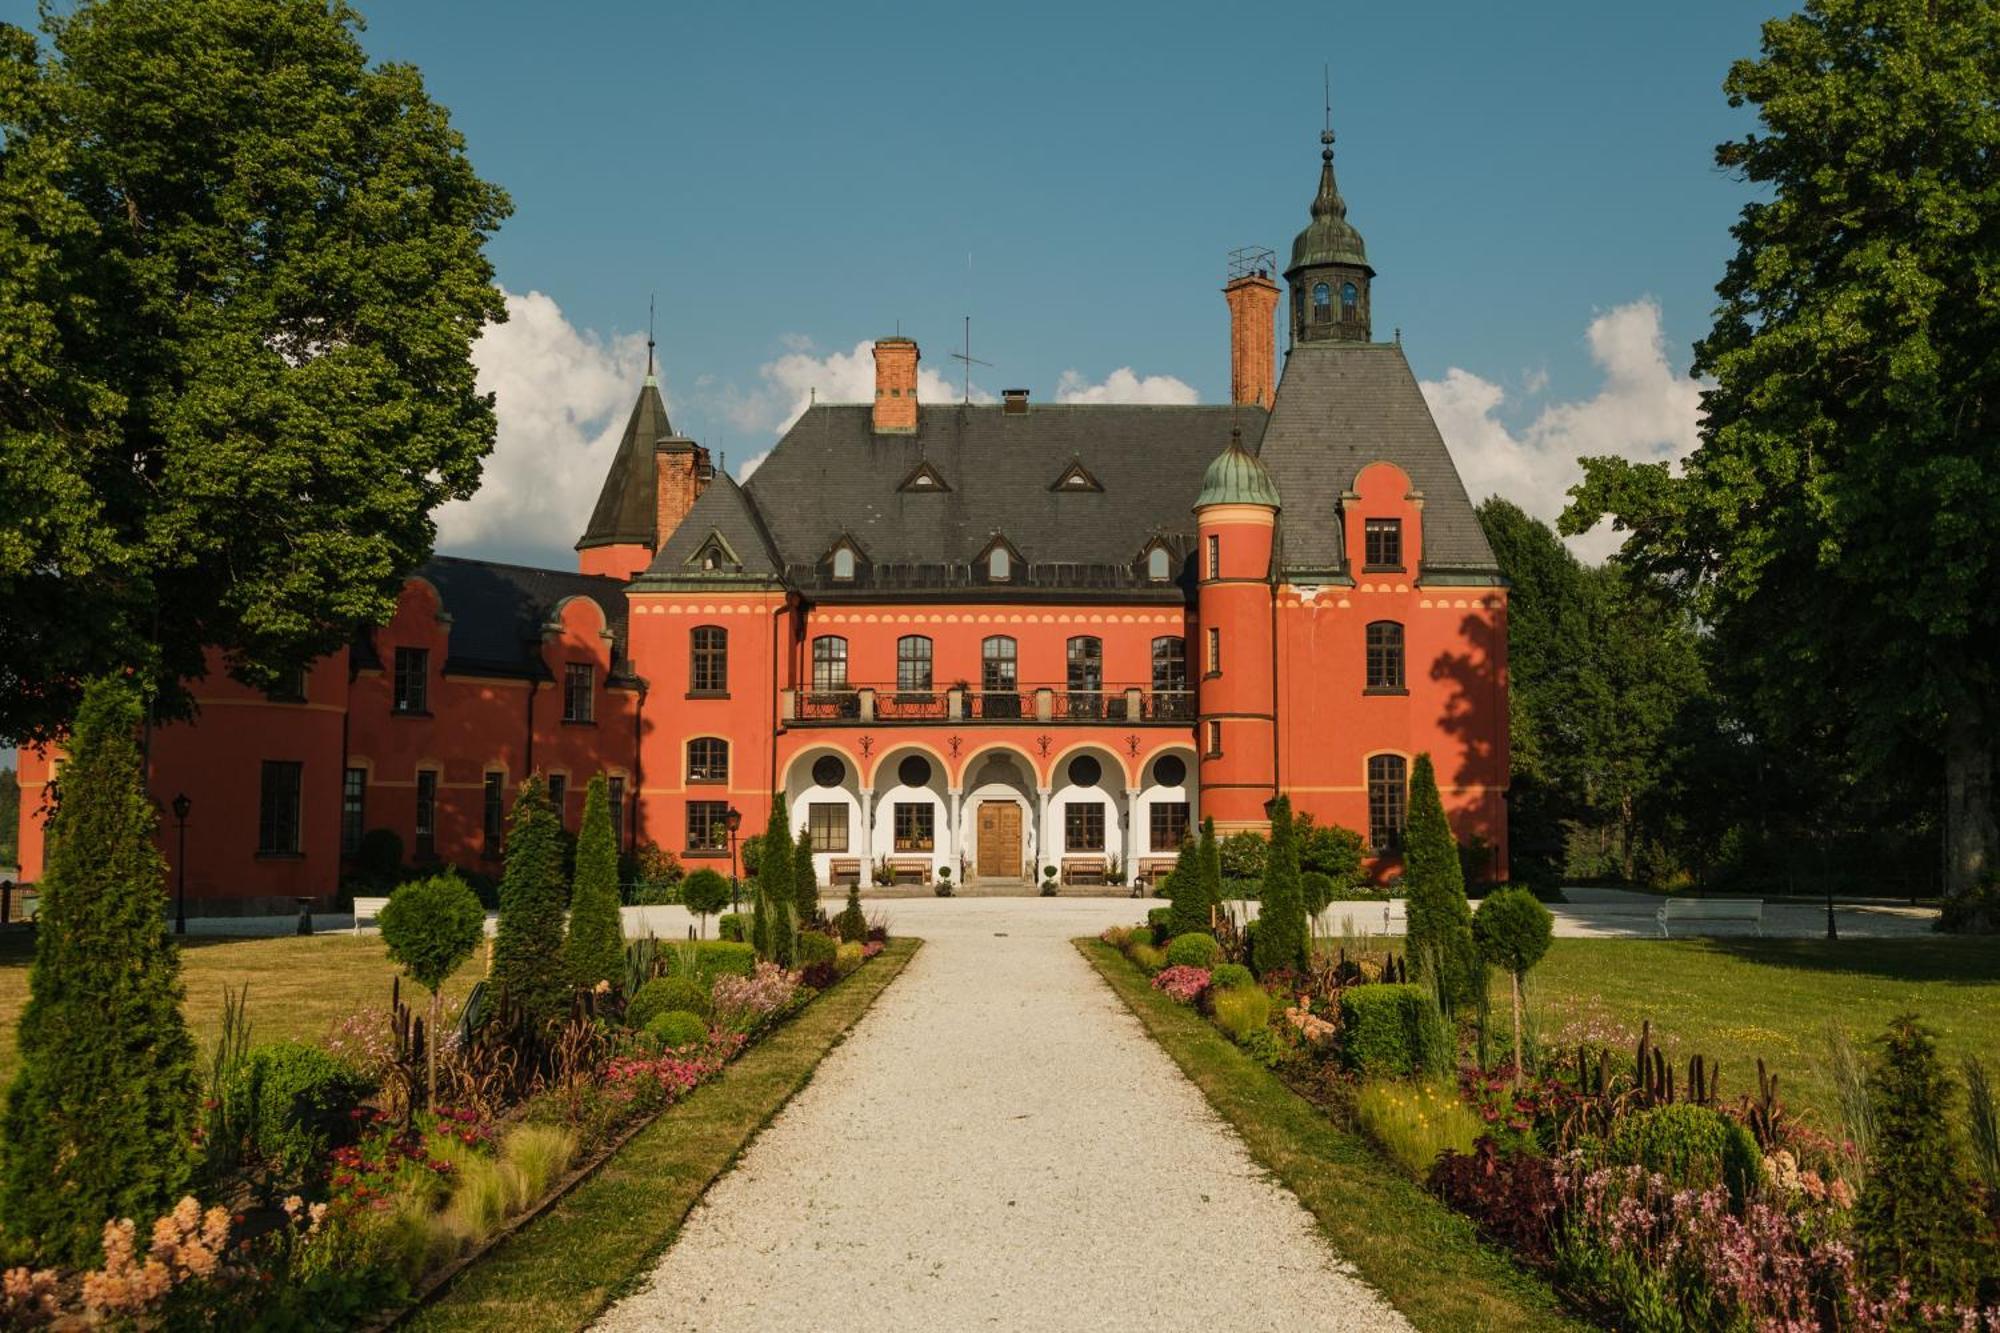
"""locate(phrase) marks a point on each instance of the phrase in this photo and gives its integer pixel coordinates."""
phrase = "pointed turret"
(654, 479)
(1329, 273)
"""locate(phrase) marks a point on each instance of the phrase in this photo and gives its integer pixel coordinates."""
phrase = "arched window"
(999, 565)
(1350, 301)
(1388, 799)
(1169, 667)
(1086, 676)
(843, 564)
(708, 671)
(913, 664)
(708, 759)
(999, 678)
(829, 663)
(1385, 655)
(1158, 565)
(1322, 303)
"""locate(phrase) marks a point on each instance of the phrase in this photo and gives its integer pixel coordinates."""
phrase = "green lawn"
(1423, 1257)
(561, 1270)
(1734, 1000)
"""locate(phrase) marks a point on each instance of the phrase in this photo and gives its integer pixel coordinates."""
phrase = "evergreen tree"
(852, 925)
(99, 1117)
(595, 948)
(1440, 920)
(775, 885)
(1184, 891)
(1283, 940)
(1210, 864)
(528, 966)
(805, 884)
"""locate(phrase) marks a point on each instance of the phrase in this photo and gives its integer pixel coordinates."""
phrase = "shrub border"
(1425, 1259)
(861, 989)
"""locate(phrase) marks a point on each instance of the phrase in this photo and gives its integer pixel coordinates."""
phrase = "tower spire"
(650, 377)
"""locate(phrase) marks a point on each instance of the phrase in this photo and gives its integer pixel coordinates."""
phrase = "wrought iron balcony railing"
(887, 704)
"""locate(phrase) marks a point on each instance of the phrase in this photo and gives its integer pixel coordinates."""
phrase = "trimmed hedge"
(1194, 949)
(664, 995)
(1695, 1147)
(1231, 976)
(1394, 1030)
(295, 1101)
(733, 927)
(678, 1028)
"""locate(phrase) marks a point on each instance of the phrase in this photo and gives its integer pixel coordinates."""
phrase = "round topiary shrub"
(1231, 976)
(1694, 1147)
(295, 1100)
(678, 1028)
(1194, 949)
(664, 995)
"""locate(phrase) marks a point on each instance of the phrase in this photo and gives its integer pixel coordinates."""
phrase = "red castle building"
(983, 638)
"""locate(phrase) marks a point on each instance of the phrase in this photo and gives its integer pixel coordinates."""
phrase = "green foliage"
(852, 925)
(1283, 939)
(1394, 1030)
(595, 946)
(1160, 920)
(1329, 850)
(1318, 890)
(678, 1028)
(815, 946)
(1146, 957)
(257, 272)
(805, 885)
(1512, 929)
(653, 875)
(776, 888)
(1209, 863)
(1240, 1010)
(665, 994)
(431, 926)
(1194, 949)
(1241, 855)
(1189, 909)
(10, 817)
(100, 1111)
(1228, 976)
(1694, 1147)
(528, 966)
(1440, 920)
(1415, 1122)
(294, 1101)
(734, 927)
(1916, 1219)
(704, 893)
(714, 958)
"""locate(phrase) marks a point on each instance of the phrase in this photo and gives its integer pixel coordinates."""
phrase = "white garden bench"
(367, 907)
(1711, 909)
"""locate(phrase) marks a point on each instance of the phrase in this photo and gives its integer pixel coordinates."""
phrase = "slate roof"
(497, 612)
(625, 509)
(722, 512)
(1339, 407)
(832, 475)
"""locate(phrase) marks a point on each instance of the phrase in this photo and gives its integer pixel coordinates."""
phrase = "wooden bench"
(1153, 869)
(842, 871)
(370, 908)
(1711, 909)
(1083, 870)
(909, 870)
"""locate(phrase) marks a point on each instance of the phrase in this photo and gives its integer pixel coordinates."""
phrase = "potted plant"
(944, 881)
(1048, 881)
(880, 873)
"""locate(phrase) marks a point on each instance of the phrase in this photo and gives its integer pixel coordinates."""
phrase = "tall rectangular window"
(1215, 738)
(826, 825)
(579, 692)
(278, 808)
(913, 664)
(829, 663)
(1086, 676)
(412, 682)
(353, 810)
(559, 797)
(1382, 543)
(1169, 663)
(707, 829)
(708, 759)
(1214, 556)
(1385, 655)
(493, 815)
(916, 826)
(708, 668)
(1083, 826)
(615, 791)
(1388, 800)
(1214, 651)
(426, 830)
(1169, 825)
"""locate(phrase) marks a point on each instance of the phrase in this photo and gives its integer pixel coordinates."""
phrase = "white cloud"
(1124, 386)
(562, 395)
(1645, 411)
(790, 384)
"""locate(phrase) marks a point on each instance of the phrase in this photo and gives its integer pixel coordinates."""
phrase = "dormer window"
(999, 565)
(843, 565)
(1158, 565)
(1382, 543)
(1322, 303)
(1076, 477)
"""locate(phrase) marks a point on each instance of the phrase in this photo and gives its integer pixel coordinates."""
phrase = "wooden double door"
(999, 843)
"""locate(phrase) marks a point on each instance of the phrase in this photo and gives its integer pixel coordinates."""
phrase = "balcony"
(887, 705)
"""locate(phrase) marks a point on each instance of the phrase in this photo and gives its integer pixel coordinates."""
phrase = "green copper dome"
(1329, 238)
(1237, 478)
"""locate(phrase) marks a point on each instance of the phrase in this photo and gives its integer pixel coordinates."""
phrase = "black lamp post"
(1832, 930)
(181, 805)
(733, 821)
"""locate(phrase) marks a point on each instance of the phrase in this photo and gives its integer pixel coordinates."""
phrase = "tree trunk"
(431, 1051)
(1514, 978)
(1971, 837)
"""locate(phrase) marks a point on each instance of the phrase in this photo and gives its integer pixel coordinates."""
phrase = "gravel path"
(998, 1144)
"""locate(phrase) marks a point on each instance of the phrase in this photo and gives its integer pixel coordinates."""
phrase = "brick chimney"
(895, 386)
(681, 472)
(1253, 309)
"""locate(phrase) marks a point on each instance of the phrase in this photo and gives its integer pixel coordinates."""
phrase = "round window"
(1170, 770)
(1085, 771)
(828, 771)
(914, 771)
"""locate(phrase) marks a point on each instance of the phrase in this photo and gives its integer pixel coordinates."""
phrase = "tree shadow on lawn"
(1944, 959)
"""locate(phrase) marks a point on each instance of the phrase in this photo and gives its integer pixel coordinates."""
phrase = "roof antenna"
(968, 358)
(649, 339)
(1326, 87)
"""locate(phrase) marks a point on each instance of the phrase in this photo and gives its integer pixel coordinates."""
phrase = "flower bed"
(1648, 1198)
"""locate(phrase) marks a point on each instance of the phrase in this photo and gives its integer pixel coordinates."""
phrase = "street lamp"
(733, 821)
(181, 805)
(1832, 931)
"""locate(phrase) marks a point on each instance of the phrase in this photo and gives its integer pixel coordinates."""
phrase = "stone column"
(1045, 841)
(867, 837)
(1131, 841)
(954, 834)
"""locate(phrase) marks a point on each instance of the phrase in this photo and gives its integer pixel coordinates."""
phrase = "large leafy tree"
(1837, 519)
(240, 274)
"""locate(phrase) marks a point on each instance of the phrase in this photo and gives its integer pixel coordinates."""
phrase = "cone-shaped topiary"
(595, 948)
(1440, 921)
(1184, 891)
(805, 883)
(852, 925)
(1210, 864)
(99, 1116)
(528, 966)
(1282, 937)
(774, 884)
